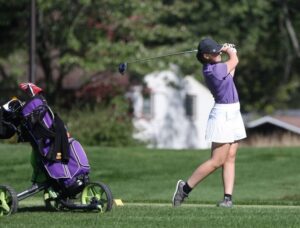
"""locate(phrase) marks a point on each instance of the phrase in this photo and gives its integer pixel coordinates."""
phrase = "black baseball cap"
(209, 46)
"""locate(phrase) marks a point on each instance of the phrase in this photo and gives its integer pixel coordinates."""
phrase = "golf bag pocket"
(46, 130)
(67, 173)
(36, 110)
(39, 120)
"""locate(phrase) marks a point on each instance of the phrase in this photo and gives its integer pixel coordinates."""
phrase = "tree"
(13, 39)
(96, 35)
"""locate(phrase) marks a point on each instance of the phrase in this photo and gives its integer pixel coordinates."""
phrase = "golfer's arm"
(232, 62)
(232, 72)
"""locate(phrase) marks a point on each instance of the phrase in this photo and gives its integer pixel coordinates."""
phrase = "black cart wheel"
(97, 193)
(8, 200)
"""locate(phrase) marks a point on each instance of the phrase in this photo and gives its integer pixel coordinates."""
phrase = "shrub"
(105, 126)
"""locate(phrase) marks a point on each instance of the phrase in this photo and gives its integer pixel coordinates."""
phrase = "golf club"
(123, 66)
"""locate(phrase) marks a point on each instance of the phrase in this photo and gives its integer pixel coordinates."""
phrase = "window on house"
(148, 106)
(190, 106)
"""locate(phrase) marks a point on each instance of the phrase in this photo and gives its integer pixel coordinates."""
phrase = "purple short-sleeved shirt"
(220, 83)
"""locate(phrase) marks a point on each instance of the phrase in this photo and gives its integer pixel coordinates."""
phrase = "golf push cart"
(60, 157)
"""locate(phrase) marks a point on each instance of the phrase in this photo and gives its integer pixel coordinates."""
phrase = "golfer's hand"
(229, 47)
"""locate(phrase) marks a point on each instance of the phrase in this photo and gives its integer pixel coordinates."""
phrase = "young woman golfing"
(225, 125)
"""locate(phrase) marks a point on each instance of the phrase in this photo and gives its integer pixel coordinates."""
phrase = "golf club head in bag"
(30, 88)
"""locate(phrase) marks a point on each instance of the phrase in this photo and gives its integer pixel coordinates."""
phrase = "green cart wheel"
(97, 193)
(51, 200)
(8, 200)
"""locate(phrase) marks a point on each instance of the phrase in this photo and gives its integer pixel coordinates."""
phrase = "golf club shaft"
(160, 56)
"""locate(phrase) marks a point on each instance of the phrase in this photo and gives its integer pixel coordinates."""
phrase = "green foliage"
(13, 43)
(105, 126)
(95, 36)
(13, 21)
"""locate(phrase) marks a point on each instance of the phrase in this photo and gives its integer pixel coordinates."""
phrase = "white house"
(174, 114)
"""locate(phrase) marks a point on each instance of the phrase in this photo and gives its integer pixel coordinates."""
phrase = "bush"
(105, 126)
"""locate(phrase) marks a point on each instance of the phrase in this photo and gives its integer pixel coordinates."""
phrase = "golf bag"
(7, 130)
(63, 157)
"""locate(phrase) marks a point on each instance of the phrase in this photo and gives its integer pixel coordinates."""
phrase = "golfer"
(225, 125)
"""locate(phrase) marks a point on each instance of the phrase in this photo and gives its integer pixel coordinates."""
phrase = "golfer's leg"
(229, 169)
(218, 157)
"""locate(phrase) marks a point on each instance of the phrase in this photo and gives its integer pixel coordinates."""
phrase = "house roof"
(290, 123)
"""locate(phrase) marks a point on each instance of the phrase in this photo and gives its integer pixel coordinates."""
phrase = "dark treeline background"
(81, 42)
(93, 36)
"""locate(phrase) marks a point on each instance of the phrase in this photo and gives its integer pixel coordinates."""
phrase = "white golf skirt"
(225, 124)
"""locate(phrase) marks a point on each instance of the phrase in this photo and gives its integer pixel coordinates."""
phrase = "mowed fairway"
(267, 190)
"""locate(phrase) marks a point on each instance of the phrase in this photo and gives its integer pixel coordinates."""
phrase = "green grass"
(161, 216)
(266, 176)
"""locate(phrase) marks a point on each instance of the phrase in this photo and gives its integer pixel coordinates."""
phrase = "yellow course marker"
(118, 202)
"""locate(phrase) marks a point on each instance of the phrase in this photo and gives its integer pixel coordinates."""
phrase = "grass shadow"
(34, 209)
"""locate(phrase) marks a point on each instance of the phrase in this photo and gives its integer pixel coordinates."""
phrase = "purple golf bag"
(63, 157)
